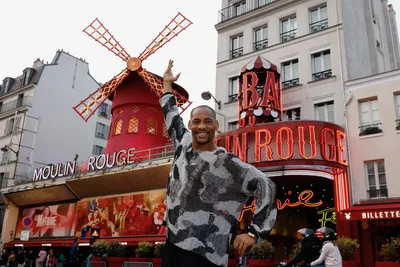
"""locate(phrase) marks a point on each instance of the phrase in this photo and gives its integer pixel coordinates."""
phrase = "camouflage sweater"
(206, 192)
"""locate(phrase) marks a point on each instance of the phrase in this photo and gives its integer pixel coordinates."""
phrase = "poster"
(47, 221)
(129, 215)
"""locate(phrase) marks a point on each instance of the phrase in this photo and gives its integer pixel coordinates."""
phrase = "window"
(118, 126)
(290, 73)
(12, 125)
(133, 125)
(26, 76)
(105, 111)
(239, 8)
(237, 46)
(165, 131)
(233, 125)
(325, 112)
(233, 89)
(321, 65)
(151, 110)
(260, 38)
(101, 130)
(151, 126)
(5, 156)
(135, 109)
(98, 150)
(397, 102)
(263, 2)
(20, 100)
(369, 117)
(1, 106)
(376, 178)
(288, 29)
(291, 114)
(318, 19)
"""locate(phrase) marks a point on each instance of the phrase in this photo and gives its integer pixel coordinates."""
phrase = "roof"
(17, 81)
(259, 63)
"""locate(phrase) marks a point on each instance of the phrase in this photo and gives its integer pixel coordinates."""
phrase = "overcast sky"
(37, 29)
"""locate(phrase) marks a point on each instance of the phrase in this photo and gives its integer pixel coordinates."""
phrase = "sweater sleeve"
(173, 121)
(324, 252)
(258, 185)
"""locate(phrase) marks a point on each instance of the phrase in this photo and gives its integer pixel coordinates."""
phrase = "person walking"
(206, 191)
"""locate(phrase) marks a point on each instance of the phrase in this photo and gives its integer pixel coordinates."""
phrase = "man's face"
(203, 126)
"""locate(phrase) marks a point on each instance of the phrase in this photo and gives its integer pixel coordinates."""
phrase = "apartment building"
(37, 119)
(318, 44)
(373, 114)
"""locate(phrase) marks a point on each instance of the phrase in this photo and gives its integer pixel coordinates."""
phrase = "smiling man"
(206, 191)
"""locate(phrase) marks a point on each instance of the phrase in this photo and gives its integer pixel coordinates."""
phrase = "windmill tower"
(137, 119)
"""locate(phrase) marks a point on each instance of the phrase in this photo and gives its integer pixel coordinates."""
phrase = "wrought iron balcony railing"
(25, 101)
(232, 98)
(236, 52)
(259, 45)
(241, 8)
(378, 193)
(319, 25)
(290, 83)
(368, 129)
(322, 75)
(289, 35)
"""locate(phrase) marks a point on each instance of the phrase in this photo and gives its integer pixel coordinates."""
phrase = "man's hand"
(169, 77)
(242, 243)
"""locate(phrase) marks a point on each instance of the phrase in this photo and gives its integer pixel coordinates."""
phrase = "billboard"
(47, 221)
(129, 215)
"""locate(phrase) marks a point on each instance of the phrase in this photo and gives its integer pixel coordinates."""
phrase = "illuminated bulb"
(310, 184)
(283, 187)
(297, 186)
(297, 210)
(323, 195)
(332, 199)
(324, 189)
(297, 192)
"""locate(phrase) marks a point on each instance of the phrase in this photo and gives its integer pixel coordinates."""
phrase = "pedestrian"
(74, 254)
(20, 258)
(310, 247)
(40, 261)
(330, 253)
(206, 191)
(4, 258)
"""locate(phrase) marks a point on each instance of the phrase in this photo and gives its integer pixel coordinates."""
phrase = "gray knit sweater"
(206, 192)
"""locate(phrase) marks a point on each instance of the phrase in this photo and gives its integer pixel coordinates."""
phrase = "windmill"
(134, 92)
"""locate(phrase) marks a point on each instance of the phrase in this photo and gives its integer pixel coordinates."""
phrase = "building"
(373, 115)
(36, 117)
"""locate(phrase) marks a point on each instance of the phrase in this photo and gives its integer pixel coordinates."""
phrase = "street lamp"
(207, 96)
(6, 148)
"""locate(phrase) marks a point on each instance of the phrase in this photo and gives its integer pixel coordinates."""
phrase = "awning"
(372, 212)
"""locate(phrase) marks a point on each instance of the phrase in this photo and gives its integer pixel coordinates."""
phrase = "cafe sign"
(93, 163)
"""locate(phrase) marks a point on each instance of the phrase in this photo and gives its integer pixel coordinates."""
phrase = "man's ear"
(190, 124)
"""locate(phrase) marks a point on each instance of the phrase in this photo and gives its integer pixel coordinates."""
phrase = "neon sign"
(303, 200)
(328, 215)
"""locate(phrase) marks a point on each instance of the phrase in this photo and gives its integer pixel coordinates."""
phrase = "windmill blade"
(97, 31)
(88, 107)
(157, 86)
(175, 27)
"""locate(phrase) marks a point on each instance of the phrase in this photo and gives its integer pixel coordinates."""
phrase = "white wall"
(384, 146)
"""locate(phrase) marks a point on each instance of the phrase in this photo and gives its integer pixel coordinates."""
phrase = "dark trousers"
(176, 257)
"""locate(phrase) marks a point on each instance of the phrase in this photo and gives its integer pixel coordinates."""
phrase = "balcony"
(290, 83)
(236, 52)
(398, 124)
(241, 8)
(319, 25)
(321, 75)
(378, 193)
(259, 45)
(10, 106)
(233, 97)
(368, 129)
(288, 36)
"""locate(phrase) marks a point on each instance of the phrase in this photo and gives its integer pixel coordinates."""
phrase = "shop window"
(151, 126)
(118, 127)
(133, 125)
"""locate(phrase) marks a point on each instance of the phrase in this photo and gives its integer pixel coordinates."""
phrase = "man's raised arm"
(173, 121)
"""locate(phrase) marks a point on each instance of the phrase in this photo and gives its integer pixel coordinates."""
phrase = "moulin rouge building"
(122, 192)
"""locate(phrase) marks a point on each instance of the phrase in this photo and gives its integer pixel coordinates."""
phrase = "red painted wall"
(135, 93)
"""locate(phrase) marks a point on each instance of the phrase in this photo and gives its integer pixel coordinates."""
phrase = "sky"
(37, 29)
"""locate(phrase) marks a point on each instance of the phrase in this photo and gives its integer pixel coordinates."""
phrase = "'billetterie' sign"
(290, 141)
(93, 163)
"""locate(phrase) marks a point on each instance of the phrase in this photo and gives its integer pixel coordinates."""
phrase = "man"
(41, 258)
(74, 254)
(207, 188)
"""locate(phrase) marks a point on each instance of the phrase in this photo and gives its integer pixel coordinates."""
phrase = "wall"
(379, 146)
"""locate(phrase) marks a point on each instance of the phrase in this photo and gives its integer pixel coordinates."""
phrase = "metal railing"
(25, 101)
(322, 75)
(290, 83)
(368, 129)
(289, 35)
(137, 264)
(259, 45)
(319, 25)
(233, 97)
(378, 193)
(236, 52)
(398, 124)
(241, 8)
